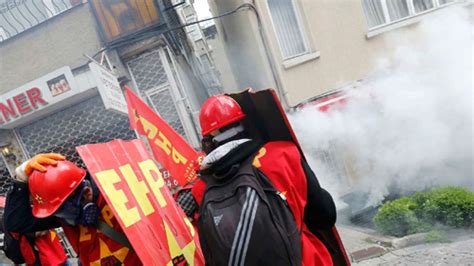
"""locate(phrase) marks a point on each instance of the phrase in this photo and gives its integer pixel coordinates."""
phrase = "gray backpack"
(243, 220)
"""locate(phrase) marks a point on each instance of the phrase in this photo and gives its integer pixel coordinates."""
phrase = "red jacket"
(50, 250)
(280, 161)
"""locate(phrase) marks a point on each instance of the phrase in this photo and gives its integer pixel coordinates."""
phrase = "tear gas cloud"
(408, 126)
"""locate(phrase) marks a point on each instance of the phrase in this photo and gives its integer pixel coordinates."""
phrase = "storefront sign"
(109, 88)
(133, 187)
(37, 95)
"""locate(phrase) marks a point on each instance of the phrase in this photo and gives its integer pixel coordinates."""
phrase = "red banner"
(169, 148)
(134, 188)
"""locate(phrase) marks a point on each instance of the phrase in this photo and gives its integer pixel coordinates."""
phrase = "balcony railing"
(17, 16)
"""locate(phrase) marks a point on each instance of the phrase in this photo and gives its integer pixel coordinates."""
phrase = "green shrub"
(452, 206)
(397, 217)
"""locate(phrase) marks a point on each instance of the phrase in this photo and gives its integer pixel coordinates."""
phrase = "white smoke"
(407, 127)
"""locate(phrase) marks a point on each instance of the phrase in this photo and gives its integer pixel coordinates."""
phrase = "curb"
(409, 240)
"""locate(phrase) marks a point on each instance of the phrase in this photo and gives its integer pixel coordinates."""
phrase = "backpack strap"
(113, 234)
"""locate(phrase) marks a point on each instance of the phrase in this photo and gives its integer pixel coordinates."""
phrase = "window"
(17, 16)
(381, 12)
(443, 2)
(374, 12)
(287, 28)
(397, 9)
(120, 19)
(189, 12)
(423, 5)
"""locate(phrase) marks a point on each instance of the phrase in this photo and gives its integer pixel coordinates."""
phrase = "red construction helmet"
(217, 112)
(51, 188)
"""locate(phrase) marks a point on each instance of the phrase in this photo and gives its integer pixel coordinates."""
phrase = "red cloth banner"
(169, 148)
(134, 188)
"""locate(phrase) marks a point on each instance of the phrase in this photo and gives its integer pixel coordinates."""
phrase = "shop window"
(288, 28)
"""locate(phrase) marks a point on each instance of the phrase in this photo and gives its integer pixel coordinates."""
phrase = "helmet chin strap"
(231, 132)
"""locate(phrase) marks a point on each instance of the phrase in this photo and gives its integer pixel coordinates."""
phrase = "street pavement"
(456, 253)
(366, 247)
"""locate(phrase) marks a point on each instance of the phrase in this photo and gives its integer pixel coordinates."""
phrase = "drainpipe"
(269, 56)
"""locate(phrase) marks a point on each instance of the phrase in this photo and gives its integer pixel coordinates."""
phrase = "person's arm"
(320, 210)
(18, 216)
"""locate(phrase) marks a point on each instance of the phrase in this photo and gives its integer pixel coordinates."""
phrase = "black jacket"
(320, 210)
(18, 217)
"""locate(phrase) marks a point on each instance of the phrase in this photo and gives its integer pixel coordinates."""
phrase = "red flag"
(133, 187)
(169, 148)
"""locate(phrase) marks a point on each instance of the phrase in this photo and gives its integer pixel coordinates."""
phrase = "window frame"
(411, 12)
(300, 26)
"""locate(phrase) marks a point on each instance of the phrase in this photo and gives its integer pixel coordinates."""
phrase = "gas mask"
(73, 213)
(210, 143)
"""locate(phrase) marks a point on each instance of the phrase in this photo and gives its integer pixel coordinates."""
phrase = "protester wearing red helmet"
(62, 194)
(259, 203)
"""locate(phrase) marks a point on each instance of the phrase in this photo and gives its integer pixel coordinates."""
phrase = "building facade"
(64, 64)
(306, 48)
(312, 50)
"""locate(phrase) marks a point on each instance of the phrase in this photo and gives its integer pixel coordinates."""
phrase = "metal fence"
(83, 123)
(5, 179)
(150, 75)
(17, 16)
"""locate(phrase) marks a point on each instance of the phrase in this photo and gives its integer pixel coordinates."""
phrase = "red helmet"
(51, 188)
(217, 112)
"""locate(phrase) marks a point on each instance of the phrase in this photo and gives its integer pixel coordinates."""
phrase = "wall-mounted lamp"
(7, 151)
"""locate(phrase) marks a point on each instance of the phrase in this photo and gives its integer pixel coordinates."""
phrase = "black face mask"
(208, 144)
(72, 213)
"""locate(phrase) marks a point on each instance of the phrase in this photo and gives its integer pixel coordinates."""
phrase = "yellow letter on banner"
(178, 158)
(164, 143)
(149, 128)
(147, 168)
(139, 189)
(107, 179)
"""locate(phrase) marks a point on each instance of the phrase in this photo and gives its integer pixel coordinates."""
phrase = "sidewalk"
(367, 247)
(457, 253)
(362, 243)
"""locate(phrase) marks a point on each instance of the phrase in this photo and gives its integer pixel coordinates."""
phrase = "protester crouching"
(64, 196)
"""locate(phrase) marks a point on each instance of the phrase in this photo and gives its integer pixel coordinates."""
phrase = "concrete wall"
(336, 31)
(223, 67)
(57, 42)
(243, 46)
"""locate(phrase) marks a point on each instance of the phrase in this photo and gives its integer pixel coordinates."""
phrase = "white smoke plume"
(409, 125)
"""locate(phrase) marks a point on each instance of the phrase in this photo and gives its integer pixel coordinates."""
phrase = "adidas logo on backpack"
(217, 219)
